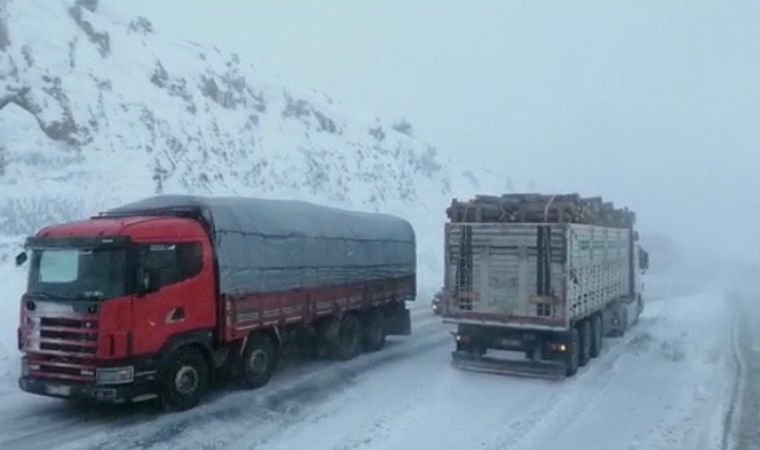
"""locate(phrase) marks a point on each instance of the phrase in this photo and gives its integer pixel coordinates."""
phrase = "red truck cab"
(107, 298)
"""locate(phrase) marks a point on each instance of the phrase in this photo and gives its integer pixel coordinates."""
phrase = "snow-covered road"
(744, 417)
(666, 385)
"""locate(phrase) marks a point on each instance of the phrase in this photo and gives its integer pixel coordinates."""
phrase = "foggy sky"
(655, 105)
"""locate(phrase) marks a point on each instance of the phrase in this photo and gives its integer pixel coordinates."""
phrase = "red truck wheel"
(185, 379)
(374, 331)
(585, 346)
(258, 362)
(573, 352)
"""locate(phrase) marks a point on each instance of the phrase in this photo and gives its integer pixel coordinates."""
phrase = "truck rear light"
(463, 338)
(556, 347)
(116, 375)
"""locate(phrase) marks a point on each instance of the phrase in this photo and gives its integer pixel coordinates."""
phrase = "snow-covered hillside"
(96, 111)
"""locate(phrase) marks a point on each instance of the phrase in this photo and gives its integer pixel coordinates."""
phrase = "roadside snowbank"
(12, 284)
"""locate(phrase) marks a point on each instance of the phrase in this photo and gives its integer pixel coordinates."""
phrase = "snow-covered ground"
(665, 385)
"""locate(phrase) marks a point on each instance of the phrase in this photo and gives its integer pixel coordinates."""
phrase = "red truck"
(151, 299)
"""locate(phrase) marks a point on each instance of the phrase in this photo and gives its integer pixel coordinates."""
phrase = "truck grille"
(67, 337)
(56, 367)
(61, 348)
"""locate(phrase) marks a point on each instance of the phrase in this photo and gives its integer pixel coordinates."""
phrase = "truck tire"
(597, 335)
(573, 354)
(585, 345)
(258, 362)
(624, 326)
(184, 380)
(349, 339)
(639, 309)
(374, 331)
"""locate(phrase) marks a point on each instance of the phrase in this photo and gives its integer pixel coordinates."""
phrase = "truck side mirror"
(21, 259)
(149, 283)
(643, 259)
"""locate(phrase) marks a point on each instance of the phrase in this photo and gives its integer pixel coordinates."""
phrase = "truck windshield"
(76, 273)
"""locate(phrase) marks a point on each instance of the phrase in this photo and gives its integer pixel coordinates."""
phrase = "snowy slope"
(95, 112)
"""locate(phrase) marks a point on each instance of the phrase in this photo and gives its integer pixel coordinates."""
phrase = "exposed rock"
(90, 5)
(3, 159)
(377, 133)
(100, 38)
(404, 127)
(5, 38)
(140, 25)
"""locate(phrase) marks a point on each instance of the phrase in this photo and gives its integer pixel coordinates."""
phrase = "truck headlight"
(115, 375)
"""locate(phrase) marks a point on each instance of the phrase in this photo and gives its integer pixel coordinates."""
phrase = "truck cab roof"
(136, 227)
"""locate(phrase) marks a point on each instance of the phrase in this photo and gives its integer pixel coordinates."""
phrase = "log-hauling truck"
(539, 281)
(151, 299)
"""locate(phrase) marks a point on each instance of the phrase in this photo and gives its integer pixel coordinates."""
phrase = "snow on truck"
(150, 299)
(546, 276)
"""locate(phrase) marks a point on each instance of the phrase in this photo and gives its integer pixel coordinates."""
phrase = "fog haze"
(653, 105)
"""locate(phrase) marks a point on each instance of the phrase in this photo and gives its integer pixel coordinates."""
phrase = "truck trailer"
(540, 279)
(152, 299)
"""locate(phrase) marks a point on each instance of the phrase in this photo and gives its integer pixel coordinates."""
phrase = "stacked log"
(539, 208)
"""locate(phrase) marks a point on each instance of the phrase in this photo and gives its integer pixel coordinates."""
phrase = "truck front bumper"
(132, 392)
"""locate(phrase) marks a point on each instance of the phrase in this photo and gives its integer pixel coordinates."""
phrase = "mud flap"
(398, 321)
(526, 368)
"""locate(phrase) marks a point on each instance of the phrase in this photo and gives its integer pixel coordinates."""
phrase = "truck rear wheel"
(184, 379)
(573, 352)
(349, 339)
(374, 331)
(596, 335)
(585, 347)
(258, 362)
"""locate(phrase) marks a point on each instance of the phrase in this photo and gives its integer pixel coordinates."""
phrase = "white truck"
(546, 276)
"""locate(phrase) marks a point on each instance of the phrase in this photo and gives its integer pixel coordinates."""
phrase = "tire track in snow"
(38, 423)
(564, 407)
(730, 424)
(742, 429)
(294, 405)
(227, 415)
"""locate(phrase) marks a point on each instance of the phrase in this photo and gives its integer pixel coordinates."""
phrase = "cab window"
(173, 263)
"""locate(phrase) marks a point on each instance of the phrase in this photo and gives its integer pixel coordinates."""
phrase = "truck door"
(177, 293)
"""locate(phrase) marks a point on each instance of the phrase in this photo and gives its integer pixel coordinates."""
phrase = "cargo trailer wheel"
(585, 347)
(184, 379)
(596, 335)
(573, 352)
(374, 331)
(258, 362)
(349, 338)
(624, 326)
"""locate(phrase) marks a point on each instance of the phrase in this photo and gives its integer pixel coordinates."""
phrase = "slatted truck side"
(546, 276)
